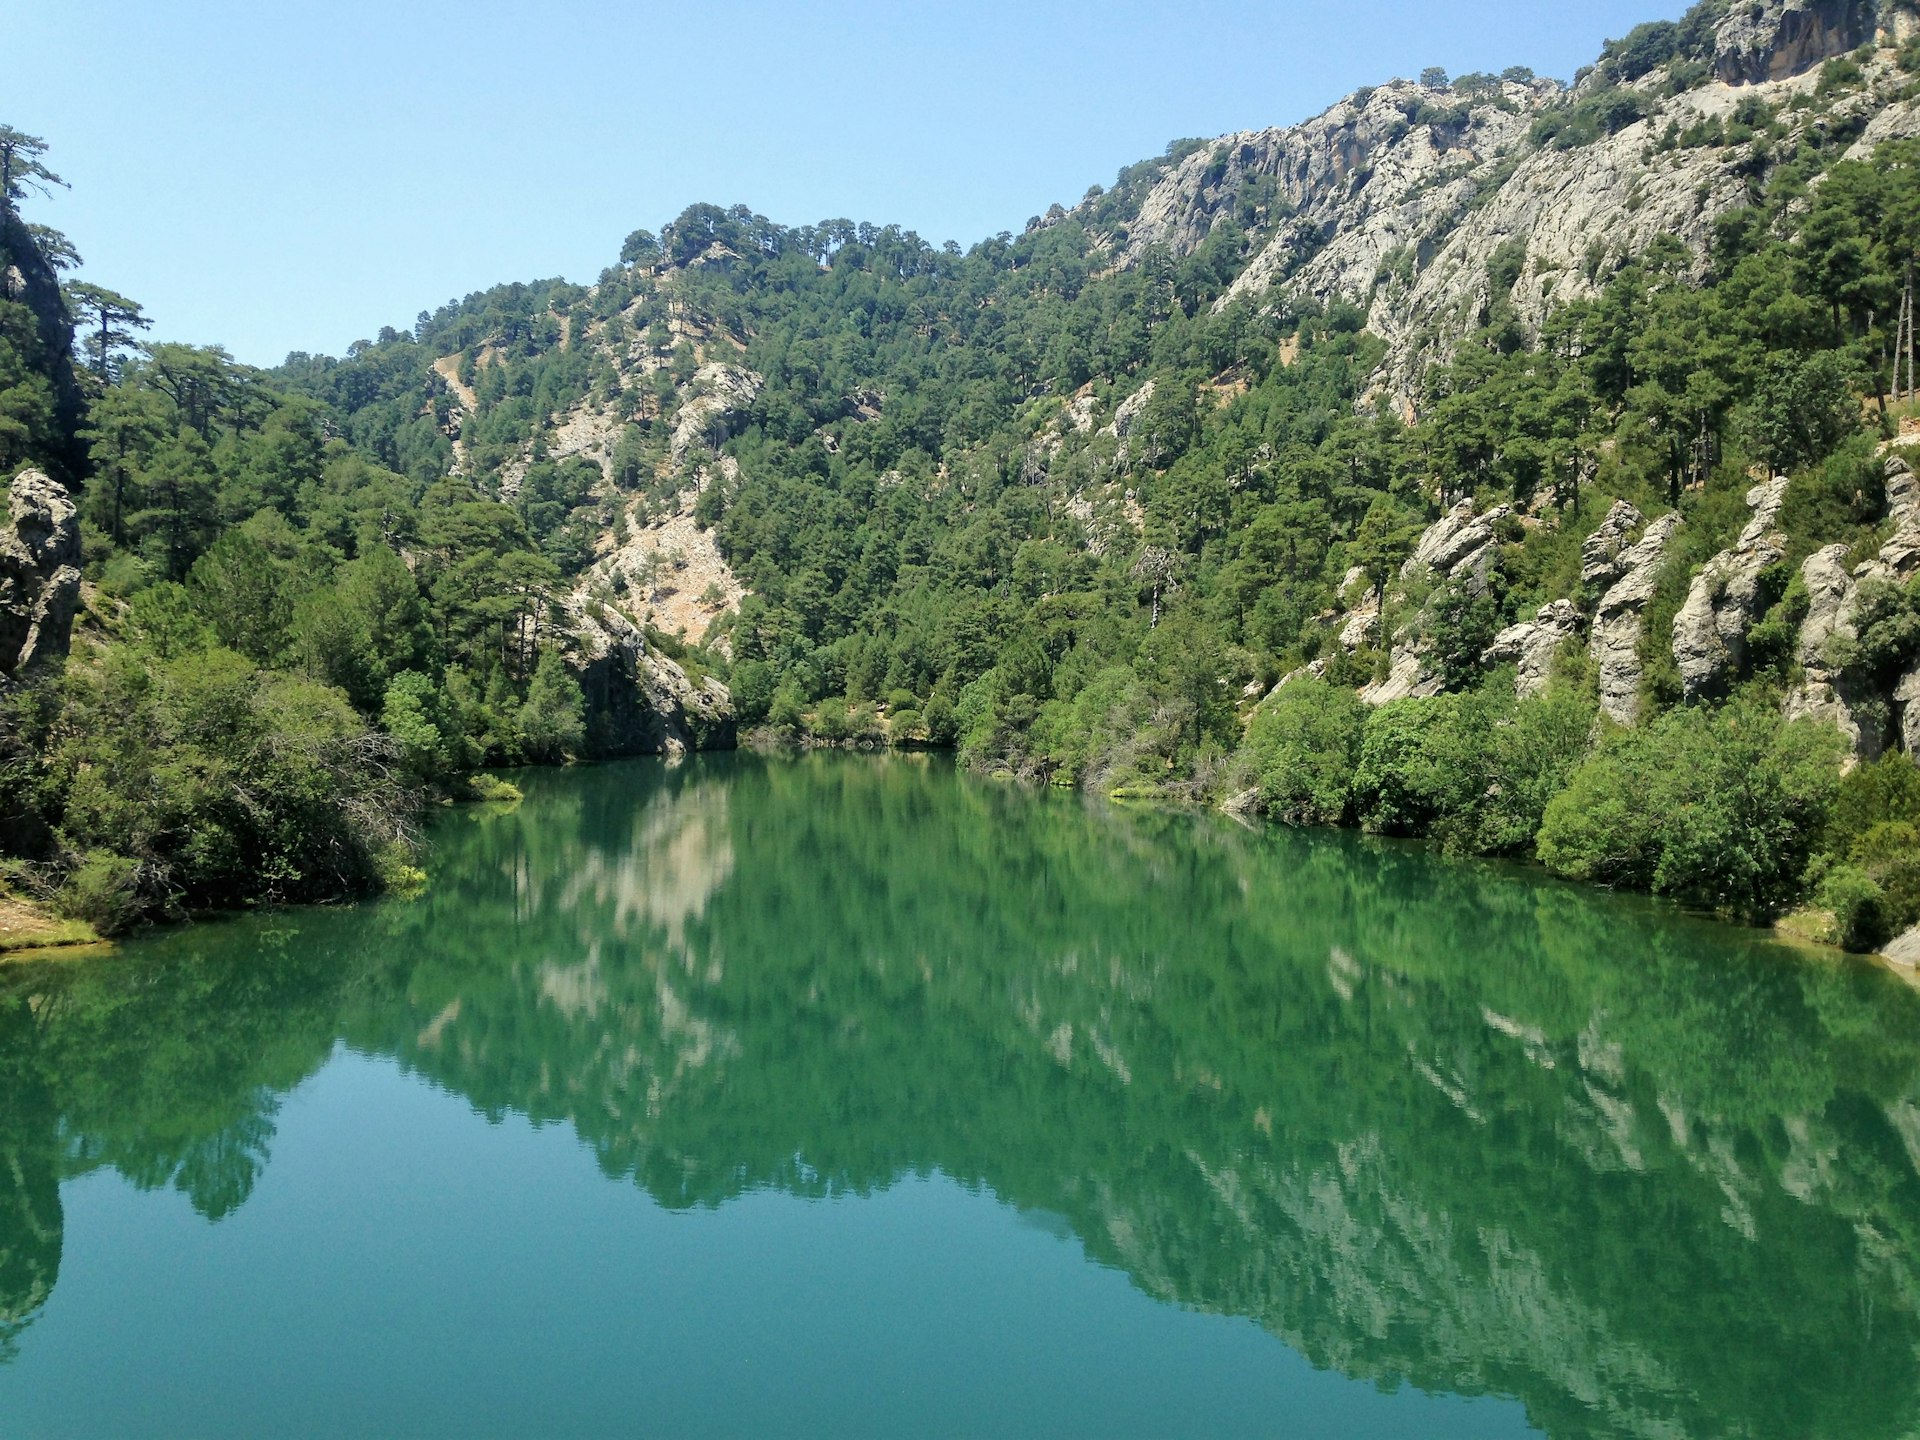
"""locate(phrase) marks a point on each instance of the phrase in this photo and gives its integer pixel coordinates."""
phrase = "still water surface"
(857, 1097)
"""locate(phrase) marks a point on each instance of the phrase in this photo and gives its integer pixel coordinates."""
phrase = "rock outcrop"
(1600, 551)
(1460, 550)
(1532, 645)
(638, 701)
(1774, 39)
(1619, 619)
(722, 395)
(39, 572)
(1460, 546)
(1710, 632)
(1399, 197)
(1126, 416)
(1826, 692)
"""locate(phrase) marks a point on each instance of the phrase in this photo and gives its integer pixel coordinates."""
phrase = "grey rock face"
(1710, 632)
(1403, 218)
(1826, 692)
(1904, 951)
(39, 572)
(1600, 551)
(1459, 549)
(1904, 696)
(1129, 410)
(1762, 40)
(638, 701)
(1126, 415)
(1409, 679)
(1900, 556)
(1460, 545)
(1620, 618)
(1532, 645)
(723, 394)
(1361, 624)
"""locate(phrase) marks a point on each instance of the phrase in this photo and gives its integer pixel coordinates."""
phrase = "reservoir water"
(854, 1096)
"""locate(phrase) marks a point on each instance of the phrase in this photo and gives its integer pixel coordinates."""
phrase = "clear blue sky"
(287, 176)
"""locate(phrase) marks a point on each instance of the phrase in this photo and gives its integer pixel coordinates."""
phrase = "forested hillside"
(1517, 465)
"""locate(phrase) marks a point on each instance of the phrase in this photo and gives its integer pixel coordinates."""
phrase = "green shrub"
(752, 690)
(553, 719)
(1859, 908)
(788, 710)
(492, 789)
(1512, 757)
(1304, 744)
(942, 725)
(1718, 809)
(104, 891)
(1883, 790)
(228, 783)
(1401, 782)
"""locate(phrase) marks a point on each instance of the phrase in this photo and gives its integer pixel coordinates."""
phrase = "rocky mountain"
(1398, 198)
(1405, 199)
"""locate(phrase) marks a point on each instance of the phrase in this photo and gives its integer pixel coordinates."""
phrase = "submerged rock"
(39, 572)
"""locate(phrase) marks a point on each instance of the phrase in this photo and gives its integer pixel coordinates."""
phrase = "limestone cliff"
(1398, 197)
(1458, 551)
(39, 574)
(1619, 620)
(639, 702)
(1710, 632)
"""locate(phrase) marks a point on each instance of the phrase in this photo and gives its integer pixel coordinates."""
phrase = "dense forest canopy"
(1089, 508)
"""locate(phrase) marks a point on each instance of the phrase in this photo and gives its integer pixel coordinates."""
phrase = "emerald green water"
(852, 1096)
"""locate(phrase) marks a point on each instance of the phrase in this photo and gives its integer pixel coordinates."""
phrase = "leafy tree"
(1722, 810)
(111, 320)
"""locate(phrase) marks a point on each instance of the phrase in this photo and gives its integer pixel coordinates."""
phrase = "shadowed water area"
(845, 1095)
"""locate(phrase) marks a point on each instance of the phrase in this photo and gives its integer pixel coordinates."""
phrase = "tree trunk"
(1909, 298)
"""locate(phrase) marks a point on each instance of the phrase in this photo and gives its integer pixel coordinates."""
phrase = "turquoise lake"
(854, 1096)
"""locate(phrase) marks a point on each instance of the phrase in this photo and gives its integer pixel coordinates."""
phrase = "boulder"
(1532, 645)
(1619, 619)
(1710, 632)
(39, 572)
